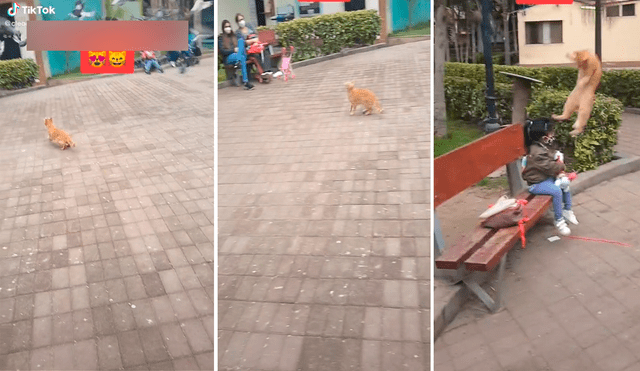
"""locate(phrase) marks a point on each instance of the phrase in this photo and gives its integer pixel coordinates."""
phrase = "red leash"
(599, 240)
(521, 222)
(521, 227)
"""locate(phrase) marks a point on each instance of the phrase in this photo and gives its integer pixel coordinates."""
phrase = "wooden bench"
(269, 37)
(483, 248)
(231, 70)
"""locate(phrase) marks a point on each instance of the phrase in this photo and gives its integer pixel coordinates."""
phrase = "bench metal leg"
(472, 284)
(514, 171)
(438, 241)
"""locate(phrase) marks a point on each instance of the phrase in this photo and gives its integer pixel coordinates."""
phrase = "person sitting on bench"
(233, 51)
(541, 167)
(250, 36)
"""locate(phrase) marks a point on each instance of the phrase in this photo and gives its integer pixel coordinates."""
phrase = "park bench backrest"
(267, 36)
(463, 167)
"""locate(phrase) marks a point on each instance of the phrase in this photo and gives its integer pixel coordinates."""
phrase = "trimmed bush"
(329, 33)
(17, 73)
(594, 146)
(465, 98)
(465, 91)
(623, 85)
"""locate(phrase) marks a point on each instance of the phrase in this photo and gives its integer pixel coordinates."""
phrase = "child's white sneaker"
(570, 216)
(561, 225)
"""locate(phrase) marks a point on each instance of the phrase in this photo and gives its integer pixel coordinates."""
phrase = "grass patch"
(70, 76)
(424, 30)
(222, 75)
(500, 182)
(459, 133)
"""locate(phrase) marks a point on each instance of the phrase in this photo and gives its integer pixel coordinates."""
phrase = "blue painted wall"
(61, 62)
(421, 13)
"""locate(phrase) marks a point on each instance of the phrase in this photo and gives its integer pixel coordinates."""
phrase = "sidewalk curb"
(8, 93)
(454, 297)
(341, 54)
(605, 172)
(632, 110)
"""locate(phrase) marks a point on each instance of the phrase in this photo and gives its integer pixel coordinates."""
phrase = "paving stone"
(301, 263)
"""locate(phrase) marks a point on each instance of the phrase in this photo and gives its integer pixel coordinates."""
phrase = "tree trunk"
(441, 44)
(474, 44)
(507, 43)
(514, 25)
(480, 42)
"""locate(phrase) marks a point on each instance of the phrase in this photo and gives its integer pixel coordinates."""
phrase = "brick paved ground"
(324, 219)
(570, 304)
(628, 135)
(106, 252)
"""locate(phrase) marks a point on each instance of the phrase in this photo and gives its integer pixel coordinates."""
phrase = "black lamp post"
(492, 123)
(599, 29)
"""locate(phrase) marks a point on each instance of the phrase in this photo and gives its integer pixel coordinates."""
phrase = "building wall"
(420, 13)
(60, 62)
(620, 41)
(228, 9)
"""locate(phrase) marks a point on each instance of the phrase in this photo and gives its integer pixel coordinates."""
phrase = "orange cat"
(58, 136)
(583, 95)
(362, 97)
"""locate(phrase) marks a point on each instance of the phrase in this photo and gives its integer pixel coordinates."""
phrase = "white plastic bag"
(503, 203)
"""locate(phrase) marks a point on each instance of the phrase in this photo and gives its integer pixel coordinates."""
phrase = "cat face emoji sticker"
(117, 59)
(97, 59)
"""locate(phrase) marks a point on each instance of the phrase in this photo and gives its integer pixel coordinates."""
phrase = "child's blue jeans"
(151, 63)
(548, 187)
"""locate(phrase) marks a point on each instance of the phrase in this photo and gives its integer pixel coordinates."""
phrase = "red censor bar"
(548, 2)
(107, 35)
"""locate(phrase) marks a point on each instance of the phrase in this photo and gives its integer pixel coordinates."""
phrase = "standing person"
(233, 51)
(150, 60)
(248, 33)
(541, 167)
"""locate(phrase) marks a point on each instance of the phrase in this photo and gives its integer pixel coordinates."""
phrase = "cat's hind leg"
(570, 106)
(353, 109)
(379, 107)
(584, 112)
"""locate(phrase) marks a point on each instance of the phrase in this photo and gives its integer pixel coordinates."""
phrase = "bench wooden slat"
(466, 166)
(488, 256)
(455, 255)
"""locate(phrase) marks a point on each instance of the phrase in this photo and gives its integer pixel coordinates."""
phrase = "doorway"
(262, 21)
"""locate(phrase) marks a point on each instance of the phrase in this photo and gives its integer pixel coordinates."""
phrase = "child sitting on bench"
(541, 167)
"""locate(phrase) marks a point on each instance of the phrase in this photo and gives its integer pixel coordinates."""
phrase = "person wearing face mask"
(542, 165)
(233, 51)
(248, 33)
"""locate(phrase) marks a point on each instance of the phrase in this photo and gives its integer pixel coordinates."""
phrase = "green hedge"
(465, 98)
(17, 73)
(329, 33)
(594, 146)
(623, 85)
